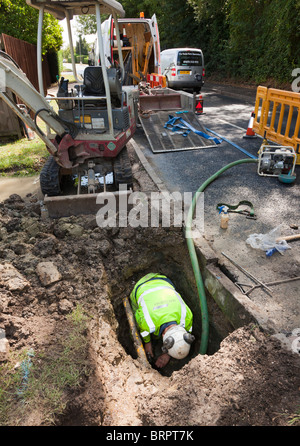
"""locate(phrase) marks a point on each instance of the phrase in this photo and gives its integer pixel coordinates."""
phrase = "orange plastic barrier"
(277, 117)
(156, 80)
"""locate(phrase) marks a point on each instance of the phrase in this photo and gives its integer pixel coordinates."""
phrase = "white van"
(140, 47)
(183, 68)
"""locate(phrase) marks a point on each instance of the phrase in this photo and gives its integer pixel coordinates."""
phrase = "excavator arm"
(14, 80)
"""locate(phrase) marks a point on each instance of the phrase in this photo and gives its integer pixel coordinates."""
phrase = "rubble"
(12, 279)
(48, 273)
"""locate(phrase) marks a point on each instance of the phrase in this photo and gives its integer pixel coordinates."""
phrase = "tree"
(134, 7)
(212, 33)
(82, 47)
(86, 24)
(20, 20)
(177, 25)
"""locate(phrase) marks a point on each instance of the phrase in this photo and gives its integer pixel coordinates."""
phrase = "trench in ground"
(173, 261)
(147, 250)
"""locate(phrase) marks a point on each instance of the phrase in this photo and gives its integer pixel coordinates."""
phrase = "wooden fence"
(25, 55)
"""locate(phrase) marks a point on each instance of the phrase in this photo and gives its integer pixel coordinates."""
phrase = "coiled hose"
(193, 255)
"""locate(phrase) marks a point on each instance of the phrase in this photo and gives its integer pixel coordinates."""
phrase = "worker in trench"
(161, 312)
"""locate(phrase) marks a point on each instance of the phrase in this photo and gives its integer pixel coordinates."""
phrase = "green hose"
(193, 255)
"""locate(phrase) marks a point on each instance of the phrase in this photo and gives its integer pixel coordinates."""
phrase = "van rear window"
(189, 58)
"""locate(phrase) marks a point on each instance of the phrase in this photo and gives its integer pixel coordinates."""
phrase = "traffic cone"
(115, 38)
(125, 38)
(250, 133)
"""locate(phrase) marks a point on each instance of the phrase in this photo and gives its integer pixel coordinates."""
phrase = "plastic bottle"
(224, 217)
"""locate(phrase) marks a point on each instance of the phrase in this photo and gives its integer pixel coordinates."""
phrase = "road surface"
(274, 203)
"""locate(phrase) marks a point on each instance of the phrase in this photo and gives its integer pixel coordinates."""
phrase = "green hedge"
(255, 40)
(251, 40)
(84, 59)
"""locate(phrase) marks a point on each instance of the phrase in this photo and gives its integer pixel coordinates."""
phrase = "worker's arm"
(162, 360)
(148, 349)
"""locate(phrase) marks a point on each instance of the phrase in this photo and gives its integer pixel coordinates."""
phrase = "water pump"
(277, 161)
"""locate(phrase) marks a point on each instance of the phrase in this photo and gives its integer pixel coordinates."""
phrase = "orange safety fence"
(277, 117)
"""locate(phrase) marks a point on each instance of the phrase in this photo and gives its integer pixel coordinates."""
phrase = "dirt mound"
(51, 266)
(249, 381)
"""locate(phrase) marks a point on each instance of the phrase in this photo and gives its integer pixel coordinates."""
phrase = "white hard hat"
(177, 342)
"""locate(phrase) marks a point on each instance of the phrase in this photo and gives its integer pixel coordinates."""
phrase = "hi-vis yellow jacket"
(154, 302)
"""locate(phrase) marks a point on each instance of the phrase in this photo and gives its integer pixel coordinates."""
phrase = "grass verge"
(23, 157)
(35, 388)
(26, 157)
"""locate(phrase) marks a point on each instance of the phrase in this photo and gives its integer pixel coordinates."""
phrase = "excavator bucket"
(87, 204)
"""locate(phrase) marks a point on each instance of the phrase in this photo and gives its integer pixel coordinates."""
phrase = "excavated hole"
(144, 250)
(173, 261)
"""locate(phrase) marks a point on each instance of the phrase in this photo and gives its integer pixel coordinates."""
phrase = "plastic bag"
(267, 242)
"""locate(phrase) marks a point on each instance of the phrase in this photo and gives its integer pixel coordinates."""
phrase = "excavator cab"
(88, 128)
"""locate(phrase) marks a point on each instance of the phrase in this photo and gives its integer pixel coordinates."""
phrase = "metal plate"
(164, 140)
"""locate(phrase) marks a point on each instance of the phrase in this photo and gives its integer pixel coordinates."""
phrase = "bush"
(255, 40)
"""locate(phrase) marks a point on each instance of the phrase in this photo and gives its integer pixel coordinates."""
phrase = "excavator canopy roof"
(58, 8)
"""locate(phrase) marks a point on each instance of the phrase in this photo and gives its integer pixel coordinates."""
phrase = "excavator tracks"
(122, 169)
(50, 178)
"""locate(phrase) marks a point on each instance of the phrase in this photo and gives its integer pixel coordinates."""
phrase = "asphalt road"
(185, 171)
(274, 203)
